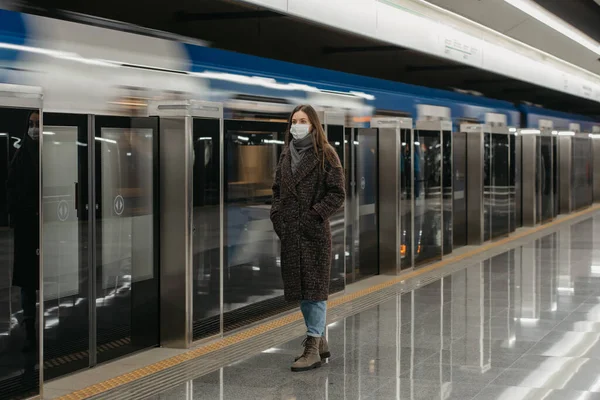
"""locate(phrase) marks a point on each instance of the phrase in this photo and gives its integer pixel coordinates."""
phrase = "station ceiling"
(236, 26)
(504, 18)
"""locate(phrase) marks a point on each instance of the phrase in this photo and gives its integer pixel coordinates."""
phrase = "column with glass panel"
(428, 217)
(334, 124)
(498, 182)
(350, 207)
(515, 179)
(582, 195)
(538, 170)
(191, 221)
(392, 241)
(548, 172)
(366, 206)
(21, 294)
(595, 136)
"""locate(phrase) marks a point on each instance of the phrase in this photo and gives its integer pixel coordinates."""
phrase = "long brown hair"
(320, 143)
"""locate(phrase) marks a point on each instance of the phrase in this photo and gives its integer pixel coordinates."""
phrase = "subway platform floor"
(518, 321)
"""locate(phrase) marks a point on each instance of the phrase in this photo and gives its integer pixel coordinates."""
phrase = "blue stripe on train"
(12, 31)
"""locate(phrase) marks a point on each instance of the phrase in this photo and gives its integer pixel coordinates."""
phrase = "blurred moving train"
(92, 73)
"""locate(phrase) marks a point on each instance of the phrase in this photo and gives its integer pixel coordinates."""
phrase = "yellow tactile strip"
(226, 341)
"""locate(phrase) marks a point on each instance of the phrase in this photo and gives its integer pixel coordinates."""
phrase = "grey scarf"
(298, 148)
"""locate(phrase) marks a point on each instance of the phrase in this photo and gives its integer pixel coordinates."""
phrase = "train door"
(366, 262)
(101, 275)
(21, 294)
(428, 235)
(334, 126)
(459, 144)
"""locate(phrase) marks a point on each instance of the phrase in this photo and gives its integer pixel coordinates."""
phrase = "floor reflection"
(521, 325)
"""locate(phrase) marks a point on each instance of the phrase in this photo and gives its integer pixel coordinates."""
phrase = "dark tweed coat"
(305, 238)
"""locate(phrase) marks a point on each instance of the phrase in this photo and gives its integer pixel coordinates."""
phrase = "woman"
(308, 190)
(23, 194)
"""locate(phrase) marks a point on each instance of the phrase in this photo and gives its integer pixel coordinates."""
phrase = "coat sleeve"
(276, 188)
(335, 192)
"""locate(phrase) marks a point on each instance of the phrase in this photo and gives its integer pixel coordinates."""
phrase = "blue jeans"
(315, 317)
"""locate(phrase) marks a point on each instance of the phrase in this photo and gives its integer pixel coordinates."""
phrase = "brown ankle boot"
(323, 349)
(311, 358)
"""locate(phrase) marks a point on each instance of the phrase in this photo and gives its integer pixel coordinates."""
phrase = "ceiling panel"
(504, 18)
(495, 14)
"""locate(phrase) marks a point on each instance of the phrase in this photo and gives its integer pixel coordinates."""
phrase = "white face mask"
(34, 133)
(300, 131)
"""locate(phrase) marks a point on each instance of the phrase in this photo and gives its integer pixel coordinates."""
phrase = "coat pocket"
(310, 227)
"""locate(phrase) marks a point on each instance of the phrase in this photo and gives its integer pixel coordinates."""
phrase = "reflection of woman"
(308, 190)
(23, 194)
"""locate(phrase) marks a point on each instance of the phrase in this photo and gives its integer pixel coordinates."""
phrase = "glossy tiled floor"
(522, 325)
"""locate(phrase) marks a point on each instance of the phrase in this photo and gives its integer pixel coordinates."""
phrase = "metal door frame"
(177, 331)
(32, 98)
